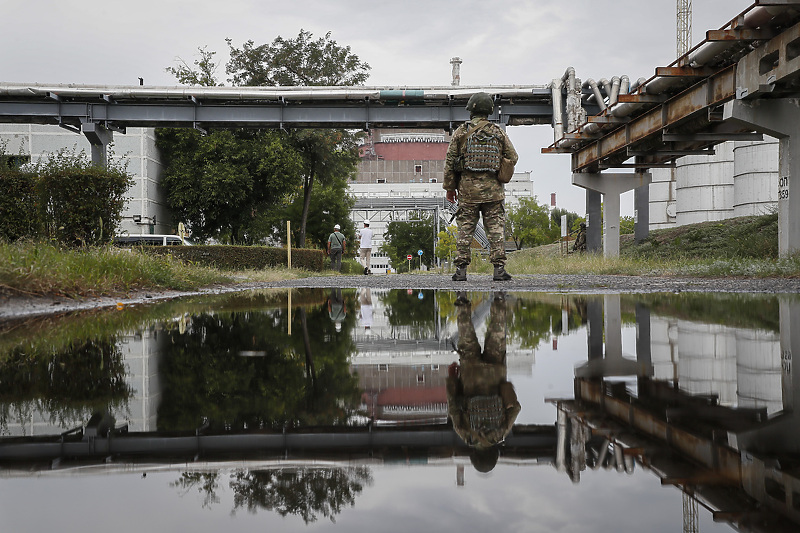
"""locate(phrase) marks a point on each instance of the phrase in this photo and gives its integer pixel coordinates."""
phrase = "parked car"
(151, 240)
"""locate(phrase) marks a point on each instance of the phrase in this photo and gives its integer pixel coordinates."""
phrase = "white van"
(151, 240)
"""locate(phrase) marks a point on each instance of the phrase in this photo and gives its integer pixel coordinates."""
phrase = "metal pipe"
(606, 86)
(753, 19)
(635, 85)
(262, 93)
(624, 84)
(558, 119)
(614, 94)
(598, 96)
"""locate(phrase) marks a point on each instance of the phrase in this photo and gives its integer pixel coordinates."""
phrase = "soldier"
(580, 240)
(481, 402)
(474, 156)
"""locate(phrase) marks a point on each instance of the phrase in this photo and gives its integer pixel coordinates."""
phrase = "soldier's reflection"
(481, 402)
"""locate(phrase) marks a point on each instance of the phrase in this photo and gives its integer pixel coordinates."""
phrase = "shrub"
(64, 198)
(18, 205)
(242, 257)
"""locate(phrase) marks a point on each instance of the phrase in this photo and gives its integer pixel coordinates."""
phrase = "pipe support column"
(779, 118)
(611, 185)
(99, 137)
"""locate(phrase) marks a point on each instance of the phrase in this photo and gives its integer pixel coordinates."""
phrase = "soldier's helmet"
(480, 104)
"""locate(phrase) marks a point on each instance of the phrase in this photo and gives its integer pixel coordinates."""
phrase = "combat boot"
(461, 274)
(500, 274)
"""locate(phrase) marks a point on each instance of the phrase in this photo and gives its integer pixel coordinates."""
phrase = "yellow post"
(289, 247)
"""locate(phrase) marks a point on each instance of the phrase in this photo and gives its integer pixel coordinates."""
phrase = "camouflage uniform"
(481, 403)
(479, 193)
(580, 240)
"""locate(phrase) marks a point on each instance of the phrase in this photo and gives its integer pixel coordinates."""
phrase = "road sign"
(419, 252)
(409, 257)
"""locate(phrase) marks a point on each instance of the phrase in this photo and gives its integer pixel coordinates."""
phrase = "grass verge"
(43, 269)
(743, 247)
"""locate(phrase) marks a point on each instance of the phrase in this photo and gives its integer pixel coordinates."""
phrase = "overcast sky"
(410, 43)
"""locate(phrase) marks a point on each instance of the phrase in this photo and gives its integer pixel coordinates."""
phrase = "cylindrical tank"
(755, 177)
(663, 348)
(704, 186)
(758, 369)
(707, 360)
(662, 198)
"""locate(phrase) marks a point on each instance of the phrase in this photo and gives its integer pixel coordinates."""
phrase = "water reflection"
(310, 396)
(481, 402)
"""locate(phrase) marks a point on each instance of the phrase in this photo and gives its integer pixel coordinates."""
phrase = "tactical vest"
(483, 150)
(485, 412)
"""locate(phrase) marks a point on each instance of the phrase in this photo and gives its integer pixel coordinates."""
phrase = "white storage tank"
(758, 370)
(704, 186)
(755, 177)
(708, 360)
(662, 198)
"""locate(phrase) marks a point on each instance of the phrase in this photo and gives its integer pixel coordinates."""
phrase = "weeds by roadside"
(39, 269)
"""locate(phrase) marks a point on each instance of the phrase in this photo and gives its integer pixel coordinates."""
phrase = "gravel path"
(16, 306)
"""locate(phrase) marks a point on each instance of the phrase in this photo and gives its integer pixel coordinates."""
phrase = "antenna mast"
(684, 26)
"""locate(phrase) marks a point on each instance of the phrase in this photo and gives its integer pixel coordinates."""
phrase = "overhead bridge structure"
(88, 109)
(741, 82)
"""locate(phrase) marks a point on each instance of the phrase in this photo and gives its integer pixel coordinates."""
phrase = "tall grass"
(40, 269)
(535, 262)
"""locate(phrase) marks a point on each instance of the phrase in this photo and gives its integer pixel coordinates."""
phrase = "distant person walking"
(337, 245)
(366, 247)
(479, 161)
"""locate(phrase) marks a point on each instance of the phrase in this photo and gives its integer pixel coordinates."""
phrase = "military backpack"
(483, 149)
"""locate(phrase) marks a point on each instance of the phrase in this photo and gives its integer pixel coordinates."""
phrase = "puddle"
(360, 409)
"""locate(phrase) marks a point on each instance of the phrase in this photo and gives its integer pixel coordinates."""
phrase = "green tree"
(305, 492)
(626, 225)
(219, 183)
(407, 237)
(304, 61)
(298, 379)
(446, 243)
(331, 204)
(529, 224)
(557, 213)
(203, 73)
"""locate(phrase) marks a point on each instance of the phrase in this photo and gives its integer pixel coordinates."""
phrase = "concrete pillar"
(98, 137)
(790, 343)
(782, 433)
(779, 118)
(641, 213)
(594, 221)
(643, 354)
(612, 363)
(594, 325)
(611, 185)
(613, 324)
